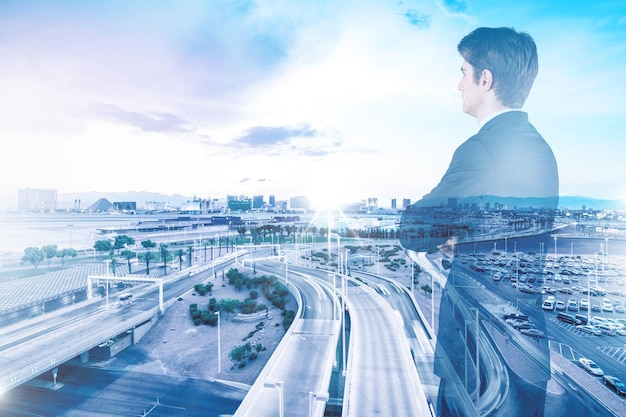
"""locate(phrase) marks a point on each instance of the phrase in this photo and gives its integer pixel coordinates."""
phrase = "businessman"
(502, 181)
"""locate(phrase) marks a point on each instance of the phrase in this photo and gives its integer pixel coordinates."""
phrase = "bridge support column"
(84, 357)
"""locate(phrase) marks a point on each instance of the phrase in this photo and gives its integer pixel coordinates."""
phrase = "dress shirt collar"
(494, 114)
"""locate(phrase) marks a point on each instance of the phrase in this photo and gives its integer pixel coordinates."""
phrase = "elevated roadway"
(34, 346)
(296, 379)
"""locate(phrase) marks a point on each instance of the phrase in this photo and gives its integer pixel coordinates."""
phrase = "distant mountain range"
(66, 200)
(140, 197)
(577, 202)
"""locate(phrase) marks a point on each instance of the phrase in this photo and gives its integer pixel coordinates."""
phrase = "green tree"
(426, 288)
(240, 353)
(242, 230)
(33, 256)
(114, 261)
(205, 243)
(190, 253)
(50, 251)
(123, 241)
(229, 305)
(128, 255)
(165, 254)
(180, 253)
(66, 253)
(148, 255)
(103, 246)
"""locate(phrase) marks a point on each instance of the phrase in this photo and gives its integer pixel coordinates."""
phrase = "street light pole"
(477, 358)
(279, 386)
(555, 254)
(219, 343)
(317, 396)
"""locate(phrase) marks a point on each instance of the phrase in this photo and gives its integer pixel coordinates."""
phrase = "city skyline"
(334, 101)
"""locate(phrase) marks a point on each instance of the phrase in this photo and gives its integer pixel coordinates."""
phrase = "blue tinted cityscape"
(265, 208)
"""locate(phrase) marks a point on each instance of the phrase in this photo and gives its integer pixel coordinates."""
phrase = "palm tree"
(128, 255)
(190, 253)
(180, 253)
(164, 255)
(148, 244)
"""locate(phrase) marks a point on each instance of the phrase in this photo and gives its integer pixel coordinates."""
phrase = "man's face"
(470, 91)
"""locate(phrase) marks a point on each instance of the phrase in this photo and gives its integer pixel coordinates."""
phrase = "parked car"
(533, 333)
(568, 318)
(587, 328)
(584, 304)
(583, 318)
(606, 329)
(607, 305)
(560, 306)
(524, 325)
(572, 305)
(615, 384)
(548, 305)
(590, 366)
(515, 316)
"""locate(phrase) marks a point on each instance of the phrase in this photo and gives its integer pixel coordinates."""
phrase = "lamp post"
(588, 297)
(334, 278)
(317, 396)
(555, 254)
(343, 321)
(477, 357)
(467, 322)
(219, 343)
(432, 301)
(278, 385)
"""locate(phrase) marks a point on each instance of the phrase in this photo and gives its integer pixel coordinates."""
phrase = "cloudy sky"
(331, 99)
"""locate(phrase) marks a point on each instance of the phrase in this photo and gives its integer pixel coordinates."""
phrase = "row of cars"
(610, 381)
(596, 325)
(523, 324)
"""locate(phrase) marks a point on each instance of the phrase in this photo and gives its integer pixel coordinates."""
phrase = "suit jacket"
(506, 165)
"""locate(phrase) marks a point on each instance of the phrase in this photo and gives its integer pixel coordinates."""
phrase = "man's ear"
(486, 80)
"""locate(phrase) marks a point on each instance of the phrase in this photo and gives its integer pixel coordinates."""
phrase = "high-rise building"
(272, 201)
(406, 203)
(372, 202)
(393, 203)
(257, 202)
(36, 199)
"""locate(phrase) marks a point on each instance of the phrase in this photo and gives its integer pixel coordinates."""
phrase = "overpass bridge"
(32, 347)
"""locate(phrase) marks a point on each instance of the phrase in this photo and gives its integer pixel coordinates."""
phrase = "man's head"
(508, 59)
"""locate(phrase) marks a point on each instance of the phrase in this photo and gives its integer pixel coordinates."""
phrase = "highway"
(296, 379)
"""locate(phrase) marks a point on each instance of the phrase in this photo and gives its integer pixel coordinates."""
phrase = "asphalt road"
(114, 393)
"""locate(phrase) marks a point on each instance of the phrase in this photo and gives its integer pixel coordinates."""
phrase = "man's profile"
(501, 182)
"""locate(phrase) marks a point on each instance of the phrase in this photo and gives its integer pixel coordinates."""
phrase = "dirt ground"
(175, 346)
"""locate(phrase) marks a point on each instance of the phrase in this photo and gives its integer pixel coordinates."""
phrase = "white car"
(590, 366)
(607, 305)
(587, 328)
(584, 304)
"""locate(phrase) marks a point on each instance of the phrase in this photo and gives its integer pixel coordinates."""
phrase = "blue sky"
(338, 100)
